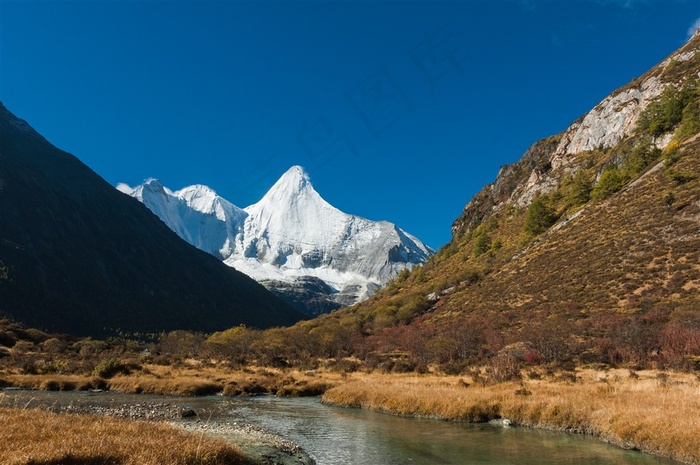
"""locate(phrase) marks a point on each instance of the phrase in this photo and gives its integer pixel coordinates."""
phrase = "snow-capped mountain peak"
(291, 235)
(293, 213)
(150, 187)
(198, 196)
(292, 182)
(205, 200)
(293, 191)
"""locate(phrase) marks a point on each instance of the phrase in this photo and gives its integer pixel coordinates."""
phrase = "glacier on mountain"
(292, 236)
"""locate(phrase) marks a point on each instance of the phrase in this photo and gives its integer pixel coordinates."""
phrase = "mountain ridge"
(77, 256)
(606, 125)
(565, 259)
(289, 234)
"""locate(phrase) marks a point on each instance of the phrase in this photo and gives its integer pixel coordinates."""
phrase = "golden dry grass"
(187, 381)
(418, 396)
(654, 414)
(38, 437)
(55, 382)
(175, 386)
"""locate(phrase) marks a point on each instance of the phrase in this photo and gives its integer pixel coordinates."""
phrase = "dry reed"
(39, 437)
(175, 386)
(196, 381)
(656, 414)
(56, 382)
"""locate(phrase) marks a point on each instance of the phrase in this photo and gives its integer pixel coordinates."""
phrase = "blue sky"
(398, 110)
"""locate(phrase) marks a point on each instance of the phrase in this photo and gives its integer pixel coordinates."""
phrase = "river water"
(337, 436)
(341, 436)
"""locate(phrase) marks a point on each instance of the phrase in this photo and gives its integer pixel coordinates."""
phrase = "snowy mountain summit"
(292, 241)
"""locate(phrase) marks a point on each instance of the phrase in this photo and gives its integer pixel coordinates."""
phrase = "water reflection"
(335, 436)
(339, 436)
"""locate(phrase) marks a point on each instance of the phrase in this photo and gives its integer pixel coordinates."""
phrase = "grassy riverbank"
(192, 380)
(38, 437)
(650, 411)
(656, 412)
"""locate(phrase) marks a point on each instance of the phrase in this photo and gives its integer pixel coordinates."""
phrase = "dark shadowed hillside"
(78, 256)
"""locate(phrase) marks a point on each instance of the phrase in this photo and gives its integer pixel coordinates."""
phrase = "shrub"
(303, 389)
(663, 114)
(88, 384)
(540, 216)
(4, 272)
(672, 153)
(50, 385)
(181, 343)
(7, 338)
(611, 181)
(410, 307)
(345, 365)
(523, 392)
(678, 343)
(640, 157)
(35, 336)
(482, 244)
(503, 368)
(245, 388)
(579, 191)
(680, 177)
(690, 122)
(110, 367)
(669, 198)
(549, 341)
(203, 388)
(53, 346)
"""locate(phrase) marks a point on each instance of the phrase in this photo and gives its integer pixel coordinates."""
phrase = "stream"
(337, 436)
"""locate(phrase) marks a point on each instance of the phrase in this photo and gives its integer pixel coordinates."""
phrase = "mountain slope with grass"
(585, 251)
(78, 256)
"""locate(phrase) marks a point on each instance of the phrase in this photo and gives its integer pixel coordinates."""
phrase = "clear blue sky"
(398, 111)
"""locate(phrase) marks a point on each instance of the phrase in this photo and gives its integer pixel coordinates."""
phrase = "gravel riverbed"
(263, 447)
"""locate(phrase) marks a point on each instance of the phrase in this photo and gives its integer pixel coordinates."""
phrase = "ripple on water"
(335, 436)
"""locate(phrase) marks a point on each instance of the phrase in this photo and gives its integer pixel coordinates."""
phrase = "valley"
(566, 301)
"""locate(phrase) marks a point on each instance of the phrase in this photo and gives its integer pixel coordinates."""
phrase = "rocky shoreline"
(261, 446)
(264, 447)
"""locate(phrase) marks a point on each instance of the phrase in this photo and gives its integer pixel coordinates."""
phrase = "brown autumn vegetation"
(189, 377)
(618, 284)
(37, 437)
(615, 281)
(604, 273)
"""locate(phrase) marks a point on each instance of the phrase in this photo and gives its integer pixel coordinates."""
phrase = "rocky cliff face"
(608, 124)
(604, 267)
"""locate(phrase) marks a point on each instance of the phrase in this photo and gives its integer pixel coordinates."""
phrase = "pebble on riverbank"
(263, 447)
(271, 449)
